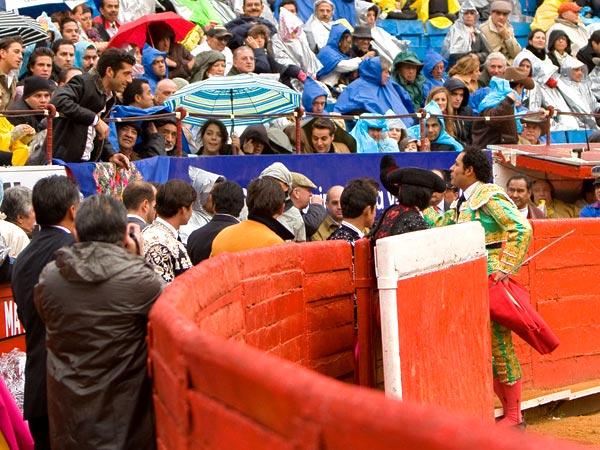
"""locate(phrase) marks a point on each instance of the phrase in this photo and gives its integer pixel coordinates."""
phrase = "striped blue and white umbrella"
(12, 24)
(235, 96)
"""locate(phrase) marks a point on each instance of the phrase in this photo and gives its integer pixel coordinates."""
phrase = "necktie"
(459, 204)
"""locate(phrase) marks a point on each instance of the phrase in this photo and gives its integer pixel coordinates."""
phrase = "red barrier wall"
(213, 391)
(445, 347)
(565, 289)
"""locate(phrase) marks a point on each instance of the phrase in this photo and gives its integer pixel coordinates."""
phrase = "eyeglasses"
(223, 38)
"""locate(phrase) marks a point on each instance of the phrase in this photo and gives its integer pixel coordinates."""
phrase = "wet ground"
(583, 429)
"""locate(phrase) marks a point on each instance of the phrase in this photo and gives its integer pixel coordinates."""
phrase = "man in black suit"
(228, 200)
(55, 200)
(139, 198)
(438, 201)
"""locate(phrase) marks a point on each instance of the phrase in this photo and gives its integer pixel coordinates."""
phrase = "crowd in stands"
(172, 227)
(341, 61)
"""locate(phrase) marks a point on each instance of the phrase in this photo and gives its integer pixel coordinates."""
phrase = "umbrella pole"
(232, 114)
(180, 114)
(51, 113)
(299, 114)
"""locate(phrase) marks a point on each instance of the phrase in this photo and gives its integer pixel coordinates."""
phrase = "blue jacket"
(149, 54)
(367, 94)
(330, 55)
(312, 90)
(592, 210)
(432, 58)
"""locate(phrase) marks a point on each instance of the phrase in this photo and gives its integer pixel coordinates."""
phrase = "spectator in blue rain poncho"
(374, 92)
(86, 55)
(337, 64)
(437, 138)
(314, 97)
(434, 70)
(154, 69)
(368, 134)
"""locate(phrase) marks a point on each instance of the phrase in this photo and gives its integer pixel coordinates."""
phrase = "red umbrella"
(135, 32)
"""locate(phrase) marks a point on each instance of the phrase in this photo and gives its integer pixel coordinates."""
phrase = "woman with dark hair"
(413, 187)
(40, 63)
(559, 47)
(255, 141)
(208, 64)
(179, 61)
(213, 139)
(536, 43)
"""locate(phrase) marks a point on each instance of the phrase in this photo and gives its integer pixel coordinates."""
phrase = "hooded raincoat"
(414, 88)
(462, 40)
(203, 62)
(432, 59)
(312, 90)
(578, 95)
(444, 142)
(335, 62)
(317, 31)
(94, 300)
(290, 46)
(541, 72)
(149, 55)
(365, 143)
(367, 94)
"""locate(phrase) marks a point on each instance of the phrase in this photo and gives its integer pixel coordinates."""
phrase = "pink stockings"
(510, 396)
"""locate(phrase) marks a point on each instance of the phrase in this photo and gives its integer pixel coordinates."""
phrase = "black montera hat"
(417, 177)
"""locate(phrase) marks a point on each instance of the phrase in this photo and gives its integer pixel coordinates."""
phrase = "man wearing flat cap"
(568, 21)
(505, 93)
(303, 198)
(37, 92)
(507, 236)
(498, 31)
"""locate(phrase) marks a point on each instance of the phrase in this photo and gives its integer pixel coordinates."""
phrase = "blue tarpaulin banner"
(324, 170)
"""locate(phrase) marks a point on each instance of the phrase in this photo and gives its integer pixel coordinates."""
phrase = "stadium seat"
(391, 26)
(419, 51)
(522, 30)
(577, 136)
(435, 36)
(558, 137)
(413, 31)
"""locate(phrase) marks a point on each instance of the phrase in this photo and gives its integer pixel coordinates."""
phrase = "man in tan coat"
(498, 31)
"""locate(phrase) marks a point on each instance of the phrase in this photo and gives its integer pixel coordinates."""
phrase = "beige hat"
(501, 6)
(299, 180)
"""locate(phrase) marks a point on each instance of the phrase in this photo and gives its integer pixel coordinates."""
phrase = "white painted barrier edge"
(407, 255)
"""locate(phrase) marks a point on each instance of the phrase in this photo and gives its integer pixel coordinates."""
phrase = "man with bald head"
(164, 89)
(334, 214)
